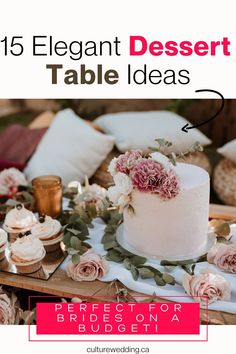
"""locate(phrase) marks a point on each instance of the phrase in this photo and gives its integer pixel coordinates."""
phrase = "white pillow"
(70, 149)
(138, 130)
(229, 150)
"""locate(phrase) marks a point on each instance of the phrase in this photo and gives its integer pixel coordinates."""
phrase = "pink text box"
(118, 318)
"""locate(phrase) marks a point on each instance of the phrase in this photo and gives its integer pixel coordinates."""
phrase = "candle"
(48, 195)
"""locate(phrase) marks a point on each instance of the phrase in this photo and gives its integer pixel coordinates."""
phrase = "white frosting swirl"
(3, 237)
(46, 229)
(19, 218)
(28, 248)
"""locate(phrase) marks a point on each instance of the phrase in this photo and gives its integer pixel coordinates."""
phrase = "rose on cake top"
(27, 248)
(151, 174)
(46, 228)
(19, 219)
(3, 237)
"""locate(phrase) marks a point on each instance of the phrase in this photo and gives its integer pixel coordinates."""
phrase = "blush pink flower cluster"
(150, 176)
(126, 162)
(153, 174)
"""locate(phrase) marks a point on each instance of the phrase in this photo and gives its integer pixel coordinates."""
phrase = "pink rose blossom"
(207, 287)
(90, 267)
(151, 177)
(9, 311)
(10, 180)
(223, 256)
(126, 162)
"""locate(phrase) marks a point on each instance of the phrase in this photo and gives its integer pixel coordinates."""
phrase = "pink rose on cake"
(10, 180)
(223, 256)
(207, 287)
(9, 311)
(90, 267)
(151, 177)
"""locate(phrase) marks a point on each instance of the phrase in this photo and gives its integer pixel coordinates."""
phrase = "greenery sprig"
(76, 233)
(164, 145)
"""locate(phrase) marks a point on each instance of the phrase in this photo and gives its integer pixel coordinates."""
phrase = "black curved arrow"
(187, 127)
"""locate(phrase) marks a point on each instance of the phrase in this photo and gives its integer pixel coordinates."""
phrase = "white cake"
(174, 229)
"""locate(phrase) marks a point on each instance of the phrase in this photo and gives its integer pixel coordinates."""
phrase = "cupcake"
(3, 244)
(49, 231)
(18, 221)
(27, 253)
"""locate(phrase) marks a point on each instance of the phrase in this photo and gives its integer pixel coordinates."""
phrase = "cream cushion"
(138, 130)
(70, 149)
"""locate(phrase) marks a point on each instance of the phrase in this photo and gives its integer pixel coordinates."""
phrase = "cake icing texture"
(174, 228)
(19, 218)
(27, 248)
(47, 228)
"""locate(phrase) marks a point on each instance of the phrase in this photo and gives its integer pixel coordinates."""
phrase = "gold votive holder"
(48, 195)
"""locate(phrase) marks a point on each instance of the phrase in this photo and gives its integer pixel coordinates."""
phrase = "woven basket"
(104, 179)
(224, 181)
(198, 159)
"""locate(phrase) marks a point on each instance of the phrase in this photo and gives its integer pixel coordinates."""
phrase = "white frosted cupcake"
(18, 221)
(27, 253)
(49, 231)
(3, 243)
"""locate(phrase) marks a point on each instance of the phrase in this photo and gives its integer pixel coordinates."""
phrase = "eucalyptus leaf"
(108, 238)
(75, 258)
(127, 263)
(176, 263)
(123, 251)
(73, 231)
(154, 270)
(159, 280)
(87, 245)
(169, 279)
(114, 256)
(66, 239)
(109, 245)
(134, 272)
(72, 251)
(75, 242)
(82, 250)
(137, 260)
(145, 273)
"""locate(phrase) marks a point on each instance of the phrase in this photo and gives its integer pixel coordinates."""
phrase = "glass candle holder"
(48, 195)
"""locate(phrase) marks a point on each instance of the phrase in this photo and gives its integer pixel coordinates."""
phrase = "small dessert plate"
(211, 241)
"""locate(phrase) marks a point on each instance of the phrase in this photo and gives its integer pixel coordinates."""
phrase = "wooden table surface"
(60, 285)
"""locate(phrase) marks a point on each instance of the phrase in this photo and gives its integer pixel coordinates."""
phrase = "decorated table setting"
(150, 236)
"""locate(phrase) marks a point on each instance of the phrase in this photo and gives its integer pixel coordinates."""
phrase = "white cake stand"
(211, 241)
